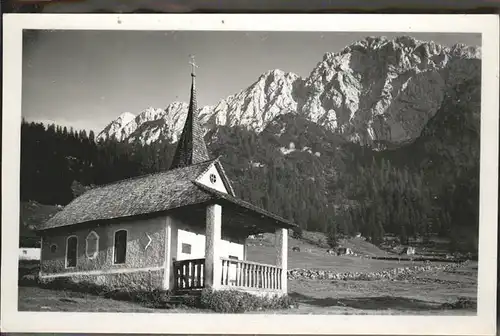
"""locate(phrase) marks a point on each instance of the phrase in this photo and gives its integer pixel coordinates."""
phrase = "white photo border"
(482, 324)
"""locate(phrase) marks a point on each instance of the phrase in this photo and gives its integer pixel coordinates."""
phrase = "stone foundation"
(141, 280)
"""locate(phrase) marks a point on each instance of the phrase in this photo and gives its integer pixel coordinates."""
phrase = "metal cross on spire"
(193, 65)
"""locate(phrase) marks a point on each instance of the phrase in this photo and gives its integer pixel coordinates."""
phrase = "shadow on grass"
(372, 303)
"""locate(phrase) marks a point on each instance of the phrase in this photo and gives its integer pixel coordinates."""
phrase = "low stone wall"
(421, 259)
(395, 273)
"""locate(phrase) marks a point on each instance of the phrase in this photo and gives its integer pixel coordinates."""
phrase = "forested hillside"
(299, 170)
(382, 137)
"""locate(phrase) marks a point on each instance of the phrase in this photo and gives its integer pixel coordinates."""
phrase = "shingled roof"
(150, 194)
(227, 199)
(135, 196)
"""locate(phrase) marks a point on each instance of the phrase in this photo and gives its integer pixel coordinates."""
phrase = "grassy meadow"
(433, 292)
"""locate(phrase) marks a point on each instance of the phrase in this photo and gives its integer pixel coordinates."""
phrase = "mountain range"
(377, 92)
(382, 137)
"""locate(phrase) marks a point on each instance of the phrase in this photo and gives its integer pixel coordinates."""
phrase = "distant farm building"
(344, 251)
(408, 250)
(27, 253)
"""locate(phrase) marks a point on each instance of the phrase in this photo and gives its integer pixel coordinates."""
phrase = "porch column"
(168, 268)
(213, 263)
(282, 256)
(171, 235)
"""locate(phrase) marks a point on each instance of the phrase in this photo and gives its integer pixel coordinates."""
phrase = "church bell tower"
(191, 148)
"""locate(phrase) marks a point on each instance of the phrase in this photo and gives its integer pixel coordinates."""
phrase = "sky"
(85, 79)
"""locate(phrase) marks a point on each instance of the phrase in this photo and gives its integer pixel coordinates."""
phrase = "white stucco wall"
(232, 249)
(205, 179)
(182, 233)
(197, 242)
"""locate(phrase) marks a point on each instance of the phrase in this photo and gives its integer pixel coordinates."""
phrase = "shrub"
(232, 301)
(282, 302)
(190, 301)
(28, 267)
(155, 298)
(223, 301)
(28, 280)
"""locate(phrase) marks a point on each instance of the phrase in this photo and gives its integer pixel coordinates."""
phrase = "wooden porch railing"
(249, 274)
(188, 274)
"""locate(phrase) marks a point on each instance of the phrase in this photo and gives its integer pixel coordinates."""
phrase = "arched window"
(120, 247)
(92, 245)
(71, 251)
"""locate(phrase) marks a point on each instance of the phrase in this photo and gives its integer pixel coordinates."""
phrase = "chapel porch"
(229, 218)
(241, 275)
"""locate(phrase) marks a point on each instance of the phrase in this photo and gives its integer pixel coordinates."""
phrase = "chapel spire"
(191, 148)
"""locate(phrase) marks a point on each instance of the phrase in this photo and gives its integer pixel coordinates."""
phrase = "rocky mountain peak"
(125, 117)
(278, 74)
(464, 51)
(381, 89)
(272, 94)
(115, 128)
(376, 90)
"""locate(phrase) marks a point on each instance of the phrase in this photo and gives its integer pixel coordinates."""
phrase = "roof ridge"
(224, 176)
(244, 203)
(150, 174)
(206, 169)
(218, 165)
(208, 189)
